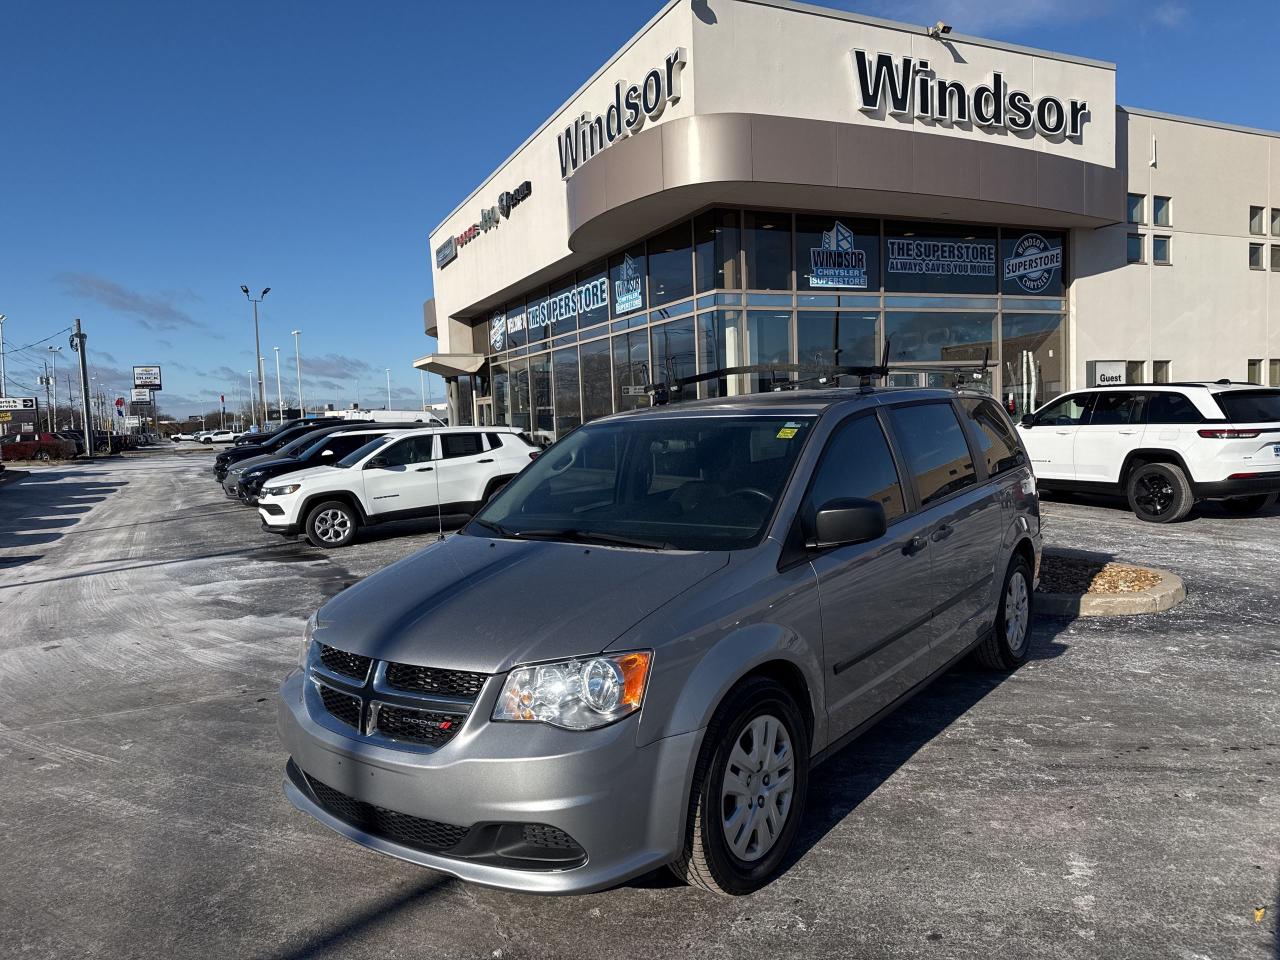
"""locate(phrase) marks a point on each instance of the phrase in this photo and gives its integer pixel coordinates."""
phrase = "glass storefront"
(797, 293)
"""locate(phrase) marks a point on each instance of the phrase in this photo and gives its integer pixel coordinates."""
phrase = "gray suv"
(635, 654)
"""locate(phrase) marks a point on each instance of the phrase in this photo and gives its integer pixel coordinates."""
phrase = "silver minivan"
(635, 654)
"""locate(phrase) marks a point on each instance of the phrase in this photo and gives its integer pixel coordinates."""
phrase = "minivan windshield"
(1250, 406)
(355, 456)
(682, 483)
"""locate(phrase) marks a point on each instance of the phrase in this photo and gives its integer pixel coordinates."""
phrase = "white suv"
(411, 473)
(1164, 446)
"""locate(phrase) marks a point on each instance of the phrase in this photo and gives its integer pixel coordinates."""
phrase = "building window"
(768, 342)
(671, 265)
(1274, 368)
(1275, 257)
(1134, 248)
(827, 339)
(593, 294)
(1136, 205)
(1161, 212)
(597, 386)
(1275, 221)
(768, 237)
(1159, 371)
(626, 281)
(1255, 372)
(631, 370)
(717, 241)
(674, 357)
(1256, 221)
(1134, 370)
(919, 336)
(1160, 249)
(939, 258)
(564, 365)
(1034, 360)
(542, 410)
(1255, 256)
(719, 335)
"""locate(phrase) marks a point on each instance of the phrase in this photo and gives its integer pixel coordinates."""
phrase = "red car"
(35, 446)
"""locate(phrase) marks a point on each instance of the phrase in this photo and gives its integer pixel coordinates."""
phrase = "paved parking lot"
(1117, 797)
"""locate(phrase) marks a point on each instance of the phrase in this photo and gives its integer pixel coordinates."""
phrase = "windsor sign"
(909, 86)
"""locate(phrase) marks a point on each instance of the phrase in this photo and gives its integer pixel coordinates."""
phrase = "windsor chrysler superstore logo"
(490, 217)
(1033, 262)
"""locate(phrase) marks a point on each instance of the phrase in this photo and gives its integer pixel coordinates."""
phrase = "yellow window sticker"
(786, 433)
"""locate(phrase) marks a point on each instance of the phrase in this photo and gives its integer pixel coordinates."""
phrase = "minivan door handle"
(942, 532)
(914, 546)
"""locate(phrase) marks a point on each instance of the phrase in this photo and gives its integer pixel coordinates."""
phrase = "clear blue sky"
(158, 155)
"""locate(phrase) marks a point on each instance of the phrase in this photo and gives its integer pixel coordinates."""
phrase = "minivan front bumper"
(623, 806)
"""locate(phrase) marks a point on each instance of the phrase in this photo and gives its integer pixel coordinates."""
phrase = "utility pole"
(3, 387)
(257, 350)
(45, 381)
(78, 338)
(297, 357)
(279, 392)
(388, 388)
(54, 352)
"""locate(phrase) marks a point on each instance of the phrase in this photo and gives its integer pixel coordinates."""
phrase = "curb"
(1165, 595)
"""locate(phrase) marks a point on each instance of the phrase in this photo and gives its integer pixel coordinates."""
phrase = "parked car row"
(64, 444)
(207, 437)
(326, 478)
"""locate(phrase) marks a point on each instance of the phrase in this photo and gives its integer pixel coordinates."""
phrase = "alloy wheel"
(1154, 494)
(1017, 613)
(759, 784)
(333, 526)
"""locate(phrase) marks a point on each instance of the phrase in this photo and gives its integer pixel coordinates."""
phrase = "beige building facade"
(794, 190)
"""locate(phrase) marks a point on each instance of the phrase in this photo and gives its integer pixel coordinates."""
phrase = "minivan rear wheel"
(1006, 647)
(748, 791)
(331, 524)
(1159, 493)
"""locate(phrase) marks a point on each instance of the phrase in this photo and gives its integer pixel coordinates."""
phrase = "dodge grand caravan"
(634, 655)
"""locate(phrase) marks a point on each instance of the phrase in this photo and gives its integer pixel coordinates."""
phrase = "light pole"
(257, 346)
(422, 388)
(253, 411)
(3, 389)
(55, 352)
(279, 392)
(297, 356)
(388, 388)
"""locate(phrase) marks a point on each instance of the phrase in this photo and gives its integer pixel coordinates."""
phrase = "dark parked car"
(75, 438)
(36, 446)
(270, 443)
(261, 436)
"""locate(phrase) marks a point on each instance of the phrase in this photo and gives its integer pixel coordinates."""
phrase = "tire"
(1243, 506)
(1159, 493)
(332, 524)
(1006, 647)
(43, 455)
(754, 710)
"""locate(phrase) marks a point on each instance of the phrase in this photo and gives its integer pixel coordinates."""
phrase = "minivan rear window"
(1250, 406)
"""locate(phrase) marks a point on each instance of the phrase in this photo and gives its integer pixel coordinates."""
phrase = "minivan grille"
(419, 707)
(401, 828)
(450, 683)
(348, 664)
(417, 726)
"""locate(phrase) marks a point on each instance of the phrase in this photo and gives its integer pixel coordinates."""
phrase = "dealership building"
(793, 189)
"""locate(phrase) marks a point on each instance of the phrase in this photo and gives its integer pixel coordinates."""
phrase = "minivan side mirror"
(848, 520)
(377, 463)
(1028, 420)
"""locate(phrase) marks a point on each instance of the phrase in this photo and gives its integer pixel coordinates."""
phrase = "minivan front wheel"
(331, 524)
(748, 791)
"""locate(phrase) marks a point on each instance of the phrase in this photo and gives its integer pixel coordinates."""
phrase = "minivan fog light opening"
(576, 694)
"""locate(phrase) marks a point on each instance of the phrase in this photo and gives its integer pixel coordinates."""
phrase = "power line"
(13, 350)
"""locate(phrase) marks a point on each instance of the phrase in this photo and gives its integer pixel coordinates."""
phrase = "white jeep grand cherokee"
(410, 473)
(1164, 446)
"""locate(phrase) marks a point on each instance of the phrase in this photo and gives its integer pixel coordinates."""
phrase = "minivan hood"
(472, 603)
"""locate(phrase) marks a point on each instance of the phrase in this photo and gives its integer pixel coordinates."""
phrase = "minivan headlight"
(282, 491)
(307, 633)
(576, 694)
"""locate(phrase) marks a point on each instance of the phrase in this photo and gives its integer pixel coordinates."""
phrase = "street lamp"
(55, 352)
(388, 388)
(3, 390)
(279, 392)
(297, 356)
(257, 345)
(253, 410)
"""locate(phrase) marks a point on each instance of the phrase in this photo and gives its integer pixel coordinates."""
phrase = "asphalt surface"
(1116, 797)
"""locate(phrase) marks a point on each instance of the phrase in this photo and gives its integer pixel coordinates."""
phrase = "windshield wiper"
(591, 536)
(495, 527)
